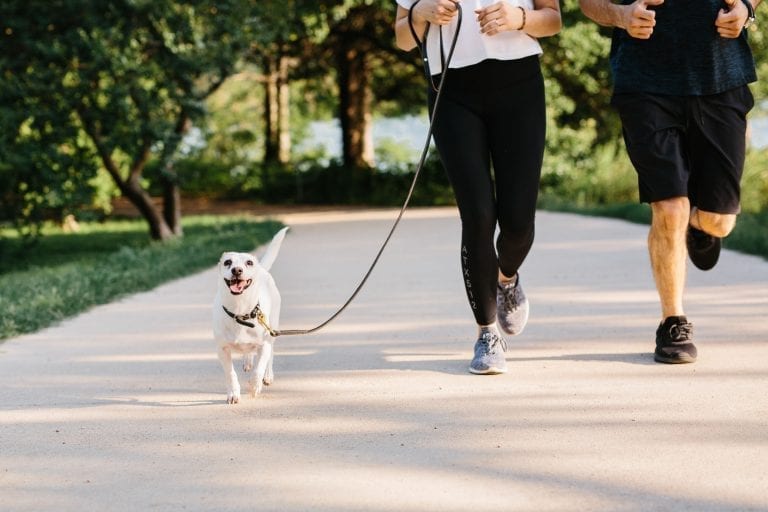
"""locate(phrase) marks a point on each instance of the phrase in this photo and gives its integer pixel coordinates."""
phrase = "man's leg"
(716, 224)
(666, 244)
(705, 232)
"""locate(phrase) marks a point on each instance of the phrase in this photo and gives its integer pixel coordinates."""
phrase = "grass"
(63, 274)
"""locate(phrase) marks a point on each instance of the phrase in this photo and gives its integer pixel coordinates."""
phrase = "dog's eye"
(227, 263)
(249, 263)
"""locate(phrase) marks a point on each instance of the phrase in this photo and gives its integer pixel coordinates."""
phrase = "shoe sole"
(489, 371)
(676, 360)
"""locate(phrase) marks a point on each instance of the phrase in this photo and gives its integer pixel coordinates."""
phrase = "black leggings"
(492, 113)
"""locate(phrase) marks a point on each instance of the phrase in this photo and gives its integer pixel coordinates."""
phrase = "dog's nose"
(237, 271)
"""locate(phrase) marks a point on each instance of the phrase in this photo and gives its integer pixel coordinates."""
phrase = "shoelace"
(511, 294)
(489, 341)
(681, 332)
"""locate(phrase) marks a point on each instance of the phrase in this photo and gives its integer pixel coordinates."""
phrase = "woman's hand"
(499, 17)
(541, 21)
(436, 12)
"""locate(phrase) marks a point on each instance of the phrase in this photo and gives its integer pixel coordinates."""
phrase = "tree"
(362, 37)
(130, 75)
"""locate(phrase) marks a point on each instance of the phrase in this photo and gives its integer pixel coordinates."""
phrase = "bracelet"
(522, 25)
(750, 14)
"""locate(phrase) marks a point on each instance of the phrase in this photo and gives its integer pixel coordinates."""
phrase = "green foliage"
(754, 182)
(106, 262)
(750, 234)
(103, 84)
(335, 184)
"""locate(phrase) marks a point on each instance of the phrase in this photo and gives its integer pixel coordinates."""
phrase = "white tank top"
(472, 46)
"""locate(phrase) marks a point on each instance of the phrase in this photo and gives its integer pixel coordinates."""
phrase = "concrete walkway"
(122, 408)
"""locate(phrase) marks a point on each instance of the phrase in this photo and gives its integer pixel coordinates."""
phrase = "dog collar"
(256, 313)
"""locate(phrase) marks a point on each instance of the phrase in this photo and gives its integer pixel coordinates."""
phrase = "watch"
(750, 14)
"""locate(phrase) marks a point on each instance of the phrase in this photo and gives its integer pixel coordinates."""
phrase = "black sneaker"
(703, 248)
(674, 341)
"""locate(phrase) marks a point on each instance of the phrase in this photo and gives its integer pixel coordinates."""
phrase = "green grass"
(63, 274)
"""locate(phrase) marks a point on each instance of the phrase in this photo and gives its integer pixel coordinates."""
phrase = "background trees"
(155, 99)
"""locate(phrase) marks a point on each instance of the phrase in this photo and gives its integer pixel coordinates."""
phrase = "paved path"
(122, 408)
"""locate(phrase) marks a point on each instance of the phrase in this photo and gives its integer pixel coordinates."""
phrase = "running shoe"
(703, 248)
(511, 307)
(489, 354)
(674, 341)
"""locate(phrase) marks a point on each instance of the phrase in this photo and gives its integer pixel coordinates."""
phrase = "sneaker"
(703, 248)
(489, 354)
(511, 307)
(674, 341)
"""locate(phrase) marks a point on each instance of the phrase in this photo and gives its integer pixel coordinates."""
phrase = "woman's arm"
(543, 20)
(436, 12)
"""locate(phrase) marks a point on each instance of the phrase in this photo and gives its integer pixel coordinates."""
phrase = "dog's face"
(238, 270)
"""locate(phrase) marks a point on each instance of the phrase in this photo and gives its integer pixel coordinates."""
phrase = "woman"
(491, 114)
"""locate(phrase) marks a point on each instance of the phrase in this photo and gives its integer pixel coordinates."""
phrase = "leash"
(446, 60)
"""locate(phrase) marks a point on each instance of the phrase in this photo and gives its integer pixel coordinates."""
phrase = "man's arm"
(636, 18)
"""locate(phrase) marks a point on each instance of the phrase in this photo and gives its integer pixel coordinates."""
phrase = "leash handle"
(422, 159)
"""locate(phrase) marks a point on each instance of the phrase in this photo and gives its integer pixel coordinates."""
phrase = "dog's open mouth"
(237, 286)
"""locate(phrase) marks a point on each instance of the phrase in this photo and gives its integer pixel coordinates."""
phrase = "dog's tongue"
(237, 286)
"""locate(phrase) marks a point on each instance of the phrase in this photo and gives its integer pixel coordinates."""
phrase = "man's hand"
(638, 20)
(730, 20)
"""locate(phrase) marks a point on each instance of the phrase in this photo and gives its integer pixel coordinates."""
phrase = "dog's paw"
(255, 387)
(268, 380)
(247, 365)
(233, 398)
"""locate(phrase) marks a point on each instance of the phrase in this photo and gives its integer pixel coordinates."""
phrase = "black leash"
(422, 44)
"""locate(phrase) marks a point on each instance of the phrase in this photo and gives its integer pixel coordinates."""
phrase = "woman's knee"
(481, 220)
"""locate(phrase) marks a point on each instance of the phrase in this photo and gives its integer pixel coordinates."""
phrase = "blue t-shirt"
(685, 56)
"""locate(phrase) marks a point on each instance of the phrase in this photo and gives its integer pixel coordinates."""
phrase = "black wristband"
(750, 14)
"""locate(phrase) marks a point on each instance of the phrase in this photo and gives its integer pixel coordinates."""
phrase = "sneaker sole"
(675, 360)
(489, 371)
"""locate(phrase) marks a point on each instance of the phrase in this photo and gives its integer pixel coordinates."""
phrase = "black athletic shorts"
(687, 145)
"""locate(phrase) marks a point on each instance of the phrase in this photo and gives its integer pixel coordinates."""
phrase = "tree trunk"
(355, 109)
(284, 113)
(130, 188)
(271, 142)
(169, 179)
(172, 204)
(277, 136)
(158, 227)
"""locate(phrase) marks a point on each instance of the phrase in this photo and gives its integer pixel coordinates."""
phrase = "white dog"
(246, 313)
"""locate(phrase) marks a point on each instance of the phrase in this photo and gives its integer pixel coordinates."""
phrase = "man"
(680, 73)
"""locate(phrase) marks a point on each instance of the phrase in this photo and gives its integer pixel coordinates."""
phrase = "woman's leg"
(517, 126)
(461, 139)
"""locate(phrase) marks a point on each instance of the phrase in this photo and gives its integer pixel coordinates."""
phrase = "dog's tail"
(270, 255)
